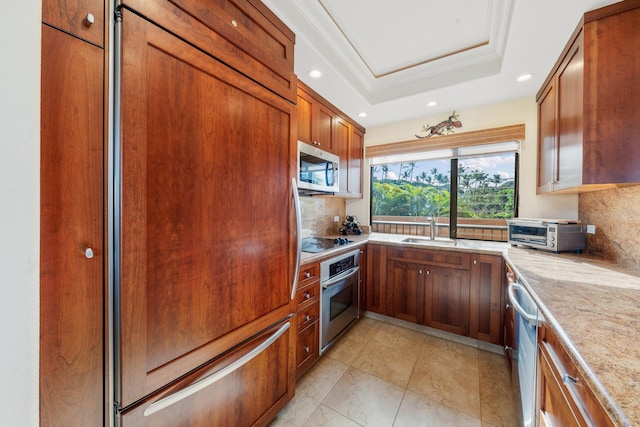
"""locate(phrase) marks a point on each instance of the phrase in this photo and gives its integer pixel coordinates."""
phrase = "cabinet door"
(71, 224)
(226, 399)
(547, 167)
(485, 309)
(405, 282)
(305, 117)
(553, 407)
(82, 18)
(202, 267)
(356, 156)
(376, 282)
(342, 133)
(447, 299)
(569, 121)
(323, 123)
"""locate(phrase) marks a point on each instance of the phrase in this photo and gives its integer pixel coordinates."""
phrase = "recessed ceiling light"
(363, 114)
(524, 77)
(315, 74)
(432, 104)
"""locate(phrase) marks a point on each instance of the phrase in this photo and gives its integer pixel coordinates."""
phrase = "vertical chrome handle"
(296, 208)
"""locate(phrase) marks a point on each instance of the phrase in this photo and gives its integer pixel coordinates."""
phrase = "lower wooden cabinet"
(375, 288)
(454, 291)
(564, 398)
(308, 316)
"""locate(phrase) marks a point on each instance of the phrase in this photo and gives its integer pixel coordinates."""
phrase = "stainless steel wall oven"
(339, 304)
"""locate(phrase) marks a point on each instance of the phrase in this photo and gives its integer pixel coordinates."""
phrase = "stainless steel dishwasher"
(527, 321)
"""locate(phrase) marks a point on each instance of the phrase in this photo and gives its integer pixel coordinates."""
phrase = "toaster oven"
(554, 235)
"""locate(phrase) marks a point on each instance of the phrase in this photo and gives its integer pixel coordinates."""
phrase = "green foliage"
(479, 195)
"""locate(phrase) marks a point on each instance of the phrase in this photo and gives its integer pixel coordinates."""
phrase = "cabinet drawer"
(308, 315)
(307, 294)
(443, 258)
(308, 274)
(243, 34)
(307, 348)
(571, 382)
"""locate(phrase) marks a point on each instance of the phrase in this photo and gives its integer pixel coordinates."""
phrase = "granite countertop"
(593, 307)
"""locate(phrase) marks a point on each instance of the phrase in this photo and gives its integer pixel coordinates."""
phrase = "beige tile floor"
(382, 374)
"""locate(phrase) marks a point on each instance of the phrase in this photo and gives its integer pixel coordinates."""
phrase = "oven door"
(339, 305)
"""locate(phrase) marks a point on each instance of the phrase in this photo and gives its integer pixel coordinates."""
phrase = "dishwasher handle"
(531, 319)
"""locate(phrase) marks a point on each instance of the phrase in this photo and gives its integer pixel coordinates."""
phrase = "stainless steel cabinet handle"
(307, 295)
(475, 262)
(340, 277)
(307, 274)
(568, 379)
(531, 319)
(216, 376)
(234, 23)
(296, 208)
(88, 253)
(90, 19)
(307, 349)
(307, 318)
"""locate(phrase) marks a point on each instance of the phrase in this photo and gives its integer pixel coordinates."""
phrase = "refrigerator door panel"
(202, 215)
(218, 395)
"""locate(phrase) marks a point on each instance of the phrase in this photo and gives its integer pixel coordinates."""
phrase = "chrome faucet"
(432, 227)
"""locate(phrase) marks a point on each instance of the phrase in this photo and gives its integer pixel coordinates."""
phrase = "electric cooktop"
(319, 244)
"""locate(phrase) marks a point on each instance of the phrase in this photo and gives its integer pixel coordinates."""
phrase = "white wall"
(19, 215)
(490, 116)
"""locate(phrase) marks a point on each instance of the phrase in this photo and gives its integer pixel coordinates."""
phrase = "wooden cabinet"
(486, 298)
(201, 270)
(315, 119)
(243, 34)
(375, 288)
(508, 320)
(429, 287)
(585, 116)
(72, 250)
(81, 18)
(322, 125)
(564, 398)
(308, 315)
(452, 291)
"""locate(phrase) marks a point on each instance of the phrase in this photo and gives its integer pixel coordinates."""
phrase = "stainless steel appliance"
(317, 170)
(527, 321)
(339, 304)
(554, 235)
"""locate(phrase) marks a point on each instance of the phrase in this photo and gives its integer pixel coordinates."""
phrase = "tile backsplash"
(318, 214)
(616, 215)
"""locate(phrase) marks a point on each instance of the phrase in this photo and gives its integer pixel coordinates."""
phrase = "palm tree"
(385, 171)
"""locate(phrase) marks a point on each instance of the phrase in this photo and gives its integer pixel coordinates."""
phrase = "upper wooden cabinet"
(588, 131)
(82, 18)
(243, 34)
(322, 125)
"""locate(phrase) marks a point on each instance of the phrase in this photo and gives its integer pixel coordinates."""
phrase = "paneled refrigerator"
(202, 208)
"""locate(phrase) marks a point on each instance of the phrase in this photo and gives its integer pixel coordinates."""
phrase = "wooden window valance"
(455, 140)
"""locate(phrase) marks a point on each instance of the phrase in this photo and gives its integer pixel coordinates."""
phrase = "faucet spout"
(432, 227)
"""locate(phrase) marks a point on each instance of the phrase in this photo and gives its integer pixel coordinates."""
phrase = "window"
(469, 191)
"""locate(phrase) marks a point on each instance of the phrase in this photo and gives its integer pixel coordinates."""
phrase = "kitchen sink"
(428, 241)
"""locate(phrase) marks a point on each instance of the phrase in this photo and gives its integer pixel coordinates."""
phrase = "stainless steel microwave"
(554, 235)
(317, 170)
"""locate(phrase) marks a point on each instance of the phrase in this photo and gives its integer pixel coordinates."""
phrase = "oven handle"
(531, 319)
(340, 277)
(296, 208)
(213, 378)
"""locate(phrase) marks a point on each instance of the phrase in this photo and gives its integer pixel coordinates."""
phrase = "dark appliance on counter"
(317, 170)
(321, 244)
(554, 235)
(339, 303)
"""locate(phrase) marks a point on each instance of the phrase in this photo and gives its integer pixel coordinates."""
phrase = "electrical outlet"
(591, 229)
(336, 218)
